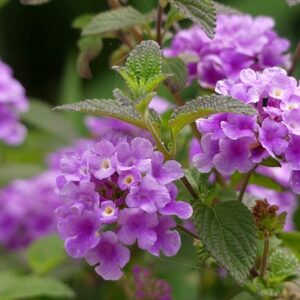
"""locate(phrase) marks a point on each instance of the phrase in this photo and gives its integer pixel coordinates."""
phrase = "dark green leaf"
(117, 19)
(270, 162)
(201, 12)
(90, 47)
(244, 296)
(291, 240)
(106, 108)
(228, 232)
(41, 116)
(34, 2)
(177, 68)
(46, 254)
(26, 287)
(204, 106)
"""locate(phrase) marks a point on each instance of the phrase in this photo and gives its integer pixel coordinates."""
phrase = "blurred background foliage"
(41, 47)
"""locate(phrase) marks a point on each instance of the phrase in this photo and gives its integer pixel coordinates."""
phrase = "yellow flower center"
(128, 179)
(105, 164)
(278, 92)
(108, 211)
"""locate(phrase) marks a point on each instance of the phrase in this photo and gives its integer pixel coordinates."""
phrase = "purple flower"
(129, 178)
(168, 241)
(13, 102)
(136, 225)
(108, 212)
(109, 256)
(272, 137)
(150, 196)
(234, 156)
(295, 181)
(80, 232)
(292, 153)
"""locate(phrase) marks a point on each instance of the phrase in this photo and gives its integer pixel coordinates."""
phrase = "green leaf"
(26, 287)
(291, 240)
(46, 254)
(270, 162)
(177, 68)
(225, 9)
(201, 12)
(90, 47)
(282, 265)
(3, 3)
(41, 116)
(143, 69)
(228, 232)
(204, 106)
(106, 108)
(244, 296)
(82, 21)
(117, 19)
(34, 2)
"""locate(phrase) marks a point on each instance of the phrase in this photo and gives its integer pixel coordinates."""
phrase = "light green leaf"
(46, 254)
(106, 108)
(34, 2)
(201, 12)
(143, 69)
(90, 47)
(282, 265)
(117, 19)
(291, 239)
(41, 116)
(228, 232)
(177, 68)
(26, 287)
(244, 296)
(82, 21)
(204, 106)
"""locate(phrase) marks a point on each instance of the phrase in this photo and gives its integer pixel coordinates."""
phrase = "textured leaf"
(204, 106)
(228, 232)
(177, 68)
(46, 254)
(41, 116)
(293, 2)
(244, 296)
(34, 2)
(26, 287)
(283, 264)
(106, 108)
(201, 12)
(90, 47)
(143, 68)
(116, 19)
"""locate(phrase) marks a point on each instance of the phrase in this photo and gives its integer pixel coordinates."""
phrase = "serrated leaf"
(34, 2)
(201, 12)
(117, 19)
(46, 254)
(204, 106)
(228, 232)
(26, 287)
(143, 68)
(293, 2)
(106, 108)
(282, 265)
(177, 68)
(90, 47)
(41, 116)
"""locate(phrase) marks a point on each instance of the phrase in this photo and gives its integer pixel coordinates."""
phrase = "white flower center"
(128, 179)
(278, 92)
(105, 164)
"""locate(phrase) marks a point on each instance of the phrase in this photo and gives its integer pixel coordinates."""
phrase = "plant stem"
(264, 262)
(245, 183)
(182, 228)
(295, 60)
(159, 24)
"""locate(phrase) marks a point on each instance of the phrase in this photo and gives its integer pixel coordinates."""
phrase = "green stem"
(183, 229)
(264, 262)
(295, 60)
(159, 24)
(245, 183)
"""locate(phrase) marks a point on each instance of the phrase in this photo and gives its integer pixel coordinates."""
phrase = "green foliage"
(177, 68)
(30, 286)
(270, 162)
(204, 106)
(117, 19)
(228, 232)
(41, 117)
(3, 3)
(262, 288)
(293, 2)
(90, 47)
(291, 240)
(244, 296)
(225, 9)
(283, 265)
(143, 69)
(201, 12)
(46, 254)
(82, 21)
(34, 2)
(106, 108)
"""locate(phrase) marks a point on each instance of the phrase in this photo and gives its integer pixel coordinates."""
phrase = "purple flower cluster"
(149, 287)
(240, 42)
(27, 210)
(12, 102)
(115, 193)
(232, 142)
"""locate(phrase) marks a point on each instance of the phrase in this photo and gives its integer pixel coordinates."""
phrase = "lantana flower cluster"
(240, 42)
(233, 142)
(27, 210)
(13, 102)
(115, 193)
